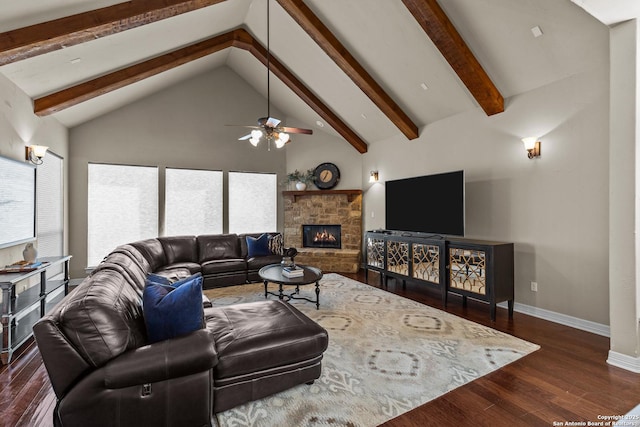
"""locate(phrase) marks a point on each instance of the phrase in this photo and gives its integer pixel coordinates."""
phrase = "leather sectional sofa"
(223, 259)
(105, 372)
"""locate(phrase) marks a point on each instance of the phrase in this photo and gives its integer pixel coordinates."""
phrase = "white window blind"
(122, 207)
(50, 208)
(193, 202)
(252, 202)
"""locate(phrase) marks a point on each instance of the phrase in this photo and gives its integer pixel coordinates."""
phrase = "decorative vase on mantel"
(301, 186)
(30, 253)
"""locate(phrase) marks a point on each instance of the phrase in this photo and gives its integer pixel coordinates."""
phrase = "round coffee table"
(273, 273)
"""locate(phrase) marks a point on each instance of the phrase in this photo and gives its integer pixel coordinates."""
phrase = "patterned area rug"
(387, 355)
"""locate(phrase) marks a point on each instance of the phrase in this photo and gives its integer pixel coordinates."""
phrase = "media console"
(477, 269)
(21, 309)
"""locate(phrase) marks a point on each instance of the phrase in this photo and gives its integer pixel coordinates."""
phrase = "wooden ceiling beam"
(27, 42)
(247, 42)
(319, 32)
(443, 34)
(74, 95)
(238, 38)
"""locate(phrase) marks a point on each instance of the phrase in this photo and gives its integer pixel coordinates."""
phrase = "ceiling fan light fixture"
(254, 141)
(284, 137)
(256, 134)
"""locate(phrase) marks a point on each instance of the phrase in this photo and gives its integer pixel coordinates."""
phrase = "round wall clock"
(326, 176)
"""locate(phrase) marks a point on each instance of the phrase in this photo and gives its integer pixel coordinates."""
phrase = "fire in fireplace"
(321, 236)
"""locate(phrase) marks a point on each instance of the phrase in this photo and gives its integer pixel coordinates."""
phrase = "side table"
(21, 310)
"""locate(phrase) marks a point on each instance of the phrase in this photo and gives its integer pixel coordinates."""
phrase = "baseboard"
(623, 361)
(563, 319)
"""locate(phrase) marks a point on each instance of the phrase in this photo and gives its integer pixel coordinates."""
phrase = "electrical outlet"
(534, 286)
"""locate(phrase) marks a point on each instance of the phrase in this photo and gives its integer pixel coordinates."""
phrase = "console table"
(21, 310)
(478, 269)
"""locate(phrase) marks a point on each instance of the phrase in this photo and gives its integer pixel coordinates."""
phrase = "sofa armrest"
(173, 358)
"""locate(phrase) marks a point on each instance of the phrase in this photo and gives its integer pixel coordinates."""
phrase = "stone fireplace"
(327, 211)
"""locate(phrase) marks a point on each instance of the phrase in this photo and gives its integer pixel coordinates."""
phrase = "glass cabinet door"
(426, 262)
(467, 270)
(375, 252)
(398, 257)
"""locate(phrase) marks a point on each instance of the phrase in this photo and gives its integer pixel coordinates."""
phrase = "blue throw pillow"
(158, 279)
(259, 246)
(171, 311)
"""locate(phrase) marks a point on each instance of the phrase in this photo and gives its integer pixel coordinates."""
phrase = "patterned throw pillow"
(276, 244)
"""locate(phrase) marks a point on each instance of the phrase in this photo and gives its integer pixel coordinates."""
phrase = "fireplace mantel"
(349, 193)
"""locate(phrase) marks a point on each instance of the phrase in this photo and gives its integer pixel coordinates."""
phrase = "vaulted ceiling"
(368, 70)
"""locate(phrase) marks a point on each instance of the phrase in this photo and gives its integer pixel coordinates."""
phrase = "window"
(252, 202)
(50, 207)
(122, 207)
(193, 202)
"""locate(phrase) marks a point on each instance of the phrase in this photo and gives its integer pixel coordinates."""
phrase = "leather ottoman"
(263, 348)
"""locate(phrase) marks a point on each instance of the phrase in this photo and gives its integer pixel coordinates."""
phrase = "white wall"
(624, 268)
(182, 126)
(19, 127)
(308, 152)
(554, 208)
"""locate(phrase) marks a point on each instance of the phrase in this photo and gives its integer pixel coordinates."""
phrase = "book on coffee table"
(293, 271)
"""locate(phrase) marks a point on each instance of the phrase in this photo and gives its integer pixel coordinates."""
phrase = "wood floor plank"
(568, 379)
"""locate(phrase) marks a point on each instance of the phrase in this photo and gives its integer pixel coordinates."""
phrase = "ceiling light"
(536, 31)
(363, 115)
(319, 123)
(76, 60)
(424, 86)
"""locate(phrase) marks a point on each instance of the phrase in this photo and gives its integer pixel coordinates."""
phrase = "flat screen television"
(426, 204)
(17, 202)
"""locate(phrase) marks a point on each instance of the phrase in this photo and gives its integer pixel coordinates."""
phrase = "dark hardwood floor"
(568, 379)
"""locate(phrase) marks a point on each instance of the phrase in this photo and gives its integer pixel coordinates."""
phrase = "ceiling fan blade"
(244, 138)
(246, 126)
(297, 130)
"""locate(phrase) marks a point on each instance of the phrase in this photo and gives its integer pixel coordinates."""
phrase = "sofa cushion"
(258, 262)
(258, 246)
(223, 266)
(255, 336)
(172, 310)
(218, 246)
(103, 317)
(175, 274)
(179, 249)
(153, 252)
(191, 267)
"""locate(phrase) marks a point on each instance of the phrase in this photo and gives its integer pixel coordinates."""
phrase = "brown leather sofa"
(223, 259)
(105, 373)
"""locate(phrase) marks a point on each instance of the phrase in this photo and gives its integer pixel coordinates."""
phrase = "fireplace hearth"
(322, 236)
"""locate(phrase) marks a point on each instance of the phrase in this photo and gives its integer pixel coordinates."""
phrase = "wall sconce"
(373, 177)
(532, 145)
(35, 153)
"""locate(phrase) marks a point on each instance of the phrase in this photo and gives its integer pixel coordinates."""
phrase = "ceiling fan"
(269, 127)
